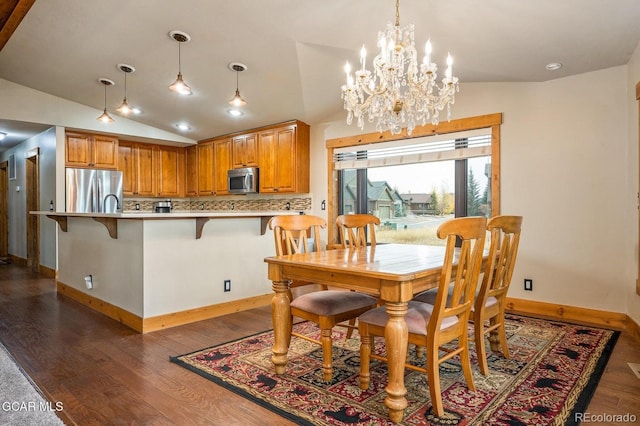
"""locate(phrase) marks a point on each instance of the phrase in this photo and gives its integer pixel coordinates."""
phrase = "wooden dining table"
(392, 272)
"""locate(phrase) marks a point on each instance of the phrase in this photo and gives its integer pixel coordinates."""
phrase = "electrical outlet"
(227, 285)
(88, 281)
(528, 284)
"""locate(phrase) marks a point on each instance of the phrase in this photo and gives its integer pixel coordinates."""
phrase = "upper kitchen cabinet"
(214, 160)
(244, 151)
(222, 154)
(205, 168)
(138, 163)
(170, 178)
(87, 150)
(191, 170)
(151, 170)
(283, 158)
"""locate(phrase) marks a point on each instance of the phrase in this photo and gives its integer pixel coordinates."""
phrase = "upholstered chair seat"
(331, 302)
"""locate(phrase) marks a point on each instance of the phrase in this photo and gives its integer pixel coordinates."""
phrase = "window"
(414, 184)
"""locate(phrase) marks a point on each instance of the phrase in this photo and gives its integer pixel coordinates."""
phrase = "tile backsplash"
(241, 204)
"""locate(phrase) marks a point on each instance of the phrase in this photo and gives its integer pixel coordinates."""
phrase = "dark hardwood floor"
(105, 373)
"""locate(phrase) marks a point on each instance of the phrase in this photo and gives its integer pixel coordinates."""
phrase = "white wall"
(565, 169)
(158, 267)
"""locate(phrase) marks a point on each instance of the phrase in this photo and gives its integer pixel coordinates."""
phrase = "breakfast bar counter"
(110, 220)
(156, 270)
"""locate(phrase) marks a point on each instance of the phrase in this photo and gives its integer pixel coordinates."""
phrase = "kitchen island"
(156, 270)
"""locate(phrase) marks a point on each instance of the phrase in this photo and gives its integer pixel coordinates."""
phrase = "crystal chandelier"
(398, 91)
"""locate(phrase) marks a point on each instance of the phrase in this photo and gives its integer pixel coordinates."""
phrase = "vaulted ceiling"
(294, 50)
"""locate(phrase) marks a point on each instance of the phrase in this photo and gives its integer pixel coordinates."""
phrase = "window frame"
(489, 121)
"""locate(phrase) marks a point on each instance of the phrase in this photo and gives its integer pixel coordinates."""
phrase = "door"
(33, 203)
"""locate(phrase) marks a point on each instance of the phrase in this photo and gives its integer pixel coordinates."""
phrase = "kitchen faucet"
(104, 202)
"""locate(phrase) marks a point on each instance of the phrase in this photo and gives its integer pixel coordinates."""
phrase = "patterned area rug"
(552, 374)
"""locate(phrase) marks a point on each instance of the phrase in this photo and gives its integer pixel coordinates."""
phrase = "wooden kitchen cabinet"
(244, 151)
(170, 171)
(191, 170)
(283, 158)
(205, 168)
(222, 163)
(95, 151)
(138, 164)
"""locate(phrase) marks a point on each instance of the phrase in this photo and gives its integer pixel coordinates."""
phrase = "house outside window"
(415, 184)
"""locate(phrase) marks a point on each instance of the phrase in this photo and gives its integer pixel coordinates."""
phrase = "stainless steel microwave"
(243, 181)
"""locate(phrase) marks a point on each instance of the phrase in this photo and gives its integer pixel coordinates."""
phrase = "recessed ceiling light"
(136, 110)
(554, 66)
(183, 126)
(235, 112)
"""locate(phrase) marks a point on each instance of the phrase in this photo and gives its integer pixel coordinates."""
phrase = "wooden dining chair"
(326, 308)
(352, 231)
(490, 299)
(432, 326)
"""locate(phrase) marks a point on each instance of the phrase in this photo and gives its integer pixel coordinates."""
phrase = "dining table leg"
(281, 317)
(396, 335)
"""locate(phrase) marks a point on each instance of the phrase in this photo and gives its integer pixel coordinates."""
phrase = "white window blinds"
(452, 146)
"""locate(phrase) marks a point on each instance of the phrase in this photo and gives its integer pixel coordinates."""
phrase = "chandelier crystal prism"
(399, 91)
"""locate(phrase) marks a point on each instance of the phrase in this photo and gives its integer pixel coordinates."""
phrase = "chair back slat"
(503, 251)
(292, 233)
(463, 278)
(352, 229)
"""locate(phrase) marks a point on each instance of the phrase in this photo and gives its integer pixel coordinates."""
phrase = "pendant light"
(105, 117)
(179, 86)
(237, 100)
(125, 108)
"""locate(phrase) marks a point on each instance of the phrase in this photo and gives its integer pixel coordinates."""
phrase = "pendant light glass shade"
(105, 117)
(179, 86)
(237, 100)
(124, 107)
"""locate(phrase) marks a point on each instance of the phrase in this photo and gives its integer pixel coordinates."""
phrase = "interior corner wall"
(564, 167)
(17, 200)
(633, 299)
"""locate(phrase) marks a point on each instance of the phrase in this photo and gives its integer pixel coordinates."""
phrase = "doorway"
(4, 210)
(33, 204)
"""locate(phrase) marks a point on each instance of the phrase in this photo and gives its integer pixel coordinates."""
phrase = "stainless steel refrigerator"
(94, 191)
